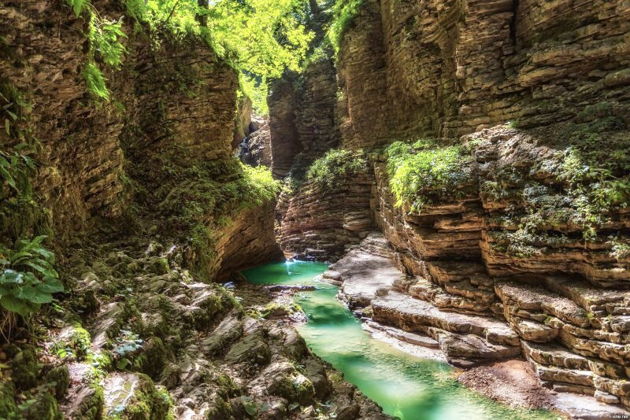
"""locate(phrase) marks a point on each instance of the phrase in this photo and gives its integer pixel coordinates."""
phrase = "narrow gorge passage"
(430, 199)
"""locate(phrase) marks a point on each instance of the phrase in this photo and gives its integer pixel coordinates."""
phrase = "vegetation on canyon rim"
(592, 164)
(337, 165)
(228, 26)
(423, 173)
(594, 185)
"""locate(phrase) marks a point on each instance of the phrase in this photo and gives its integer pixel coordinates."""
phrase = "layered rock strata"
(318, 223)
(565, 306)
(450, 68)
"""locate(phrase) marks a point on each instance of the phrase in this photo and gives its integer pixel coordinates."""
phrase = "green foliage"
(579, 188)
(15, 172)
(105, 39)
(20, 214)
(424, 173)
(206, 195)
(27, 277)
(106, 45)
(260, 38)
(95, 80)
(75, 343)
(13, 105)
(335, 166)
(344, 12)
(620, 249)
(78, 6)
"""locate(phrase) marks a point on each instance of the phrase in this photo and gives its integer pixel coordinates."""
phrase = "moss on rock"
(25, 367)
(41, 405)
(59, 378)
(8, 408)
(135, 397)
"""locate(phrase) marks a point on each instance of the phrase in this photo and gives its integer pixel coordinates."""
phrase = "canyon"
(463, 165)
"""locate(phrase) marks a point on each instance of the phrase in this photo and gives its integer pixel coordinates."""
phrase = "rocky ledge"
(579, 360)
(155, 343)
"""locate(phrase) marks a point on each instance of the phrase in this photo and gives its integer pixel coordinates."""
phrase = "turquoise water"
(404, 386)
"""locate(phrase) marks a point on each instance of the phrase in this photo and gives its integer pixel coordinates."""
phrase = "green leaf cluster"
(261, 38)
(27, 276)
(78, 6)
(95, 81)
(425, 173)
(105, 39)
(344, 12)
(335, 166)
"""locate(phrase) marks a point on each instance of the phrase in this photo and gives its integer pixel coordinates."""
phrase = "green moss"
(335, 167)
(75, 343)
(153, 358)
(8, 407)
(41, 405)
(195, 199)
(220, 409)
(59, 378)
(425, 173)
(344, 13)
(147, 403)
(578, 190)
(25, 367)
(619, 249)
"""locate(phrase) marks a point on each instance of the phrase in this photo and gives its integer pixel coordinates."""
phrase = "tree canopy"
(261, 38)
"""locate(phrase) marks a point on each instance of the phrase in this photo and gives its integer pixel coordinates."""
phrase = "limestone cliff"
(532, 96)
(147, 209)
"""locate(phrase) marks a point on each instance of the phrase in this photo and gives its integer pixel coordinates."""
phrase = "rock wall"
(43, 55)
(450, 68)
(107, 164)
(318, 223)
(528, 87)
(567, 303)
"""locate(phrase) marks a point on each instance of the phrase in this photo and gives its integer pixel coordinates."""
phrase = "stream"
(405, 386)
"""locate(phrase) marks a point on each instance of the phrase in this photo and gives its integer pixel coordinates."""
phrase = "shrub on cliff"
(425, 173)
(335, 166)
(344, 12)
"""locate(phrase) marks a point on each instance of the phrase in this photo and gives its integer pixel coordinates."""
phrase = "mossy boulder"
(153, 357)
(25, 366)
(135, 397)
(42, 405)
(59, 378)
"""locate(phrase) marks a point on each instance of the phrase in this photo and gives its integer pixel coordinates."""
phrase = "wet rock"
(367, 271)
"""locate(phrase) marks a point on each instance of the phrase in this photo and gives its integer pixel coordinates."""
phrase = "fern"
(78, 6)
(27, 276)
(95, 81)
(105, 39)
(137, 9)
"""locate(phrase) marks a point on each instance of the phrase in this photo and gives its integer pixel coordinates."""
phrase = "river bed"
(405, 386)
